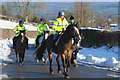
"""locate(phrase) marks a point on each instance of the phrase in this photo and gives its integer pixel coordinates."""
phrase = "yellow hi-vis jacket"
(17, 29)
(59, 24)
(41, 28)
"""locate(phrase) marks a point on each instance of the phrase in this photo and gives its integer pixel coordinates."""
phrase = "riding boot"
(37, 40)
(27, 43)
(14, 42)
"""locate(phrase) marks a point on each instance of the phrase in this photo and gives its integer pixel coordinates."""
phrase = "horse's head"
(75, 31)
(22, 34)
(46, 33)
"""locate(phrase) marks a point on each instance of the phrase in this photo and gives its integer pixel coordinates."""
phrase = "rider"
(71, 20)
(40, 28)
(59, 25)
(17, 30)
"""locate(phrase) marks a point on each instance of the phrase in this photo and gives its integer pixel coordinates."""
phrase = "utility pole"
(82, 13)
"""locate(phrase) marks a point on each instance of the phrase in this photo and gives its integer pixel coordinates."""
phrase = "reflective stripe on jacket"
(17, 29)
(59, 24)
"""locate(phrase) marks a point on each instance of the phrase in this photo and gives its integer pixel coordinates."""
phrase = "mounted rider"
(59, 25)
(17, 29)
(40, 29)
(72, 21)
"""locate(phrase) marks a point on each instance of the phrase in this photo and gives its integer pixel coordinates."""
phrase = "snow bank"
(4, 50)
(11, 25)
(99, 56)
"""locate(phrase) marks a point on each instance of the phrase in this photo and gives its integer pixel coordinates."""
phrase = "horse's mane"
(65, 38)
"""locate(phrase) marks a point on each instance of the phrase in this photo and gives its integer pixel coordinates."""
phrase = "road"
(31, 69)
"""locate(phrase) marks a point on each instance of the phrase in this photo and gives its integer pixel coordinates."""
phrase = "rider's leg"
(37, 42)
(14, 40)
(26, 42)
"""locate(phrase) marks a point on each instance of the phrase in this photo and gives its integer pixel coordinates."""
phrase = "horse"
(20, 47)
(45, 36)
(63, 48)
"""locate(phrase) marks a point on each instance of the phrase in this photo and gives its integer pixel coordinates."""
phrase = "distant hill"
(106, 8)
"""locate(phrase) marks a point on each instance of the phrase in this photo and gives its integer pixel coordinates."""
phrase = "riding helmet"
(71, 18)
(21, 22)
(61, 13)
(42, 19)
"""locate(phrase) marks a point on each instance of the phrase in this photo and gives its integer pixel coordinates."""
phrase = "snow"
(99, 56)
(89, 28)
(102, 56)
(11, 25)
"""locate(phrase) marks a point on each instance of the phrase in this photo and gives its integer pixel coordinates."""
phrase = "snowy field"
(11, 25)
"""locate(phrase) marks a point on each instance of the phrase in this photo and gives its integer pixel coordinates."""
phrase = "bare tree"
(114, 19)
(88, 14)
(9, 9)
(100, 20)
(77, 12)
(26, 8)
(3, 10)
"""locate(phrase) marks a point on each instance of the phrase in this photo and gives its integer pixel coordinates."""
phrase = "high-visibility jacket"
(17, 29)
(59, 24)
(41, 28)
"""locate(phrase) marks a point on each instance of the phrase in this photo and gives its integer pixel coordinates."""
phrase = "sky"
(62, 0)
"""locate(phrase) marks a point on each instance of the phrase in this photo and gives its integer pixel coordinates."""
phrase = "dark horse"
(20, 47)
(63, 48)
(45, 36)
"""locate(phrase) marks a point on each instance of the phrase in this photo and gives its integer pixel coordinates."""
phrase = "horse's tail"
(40, 50)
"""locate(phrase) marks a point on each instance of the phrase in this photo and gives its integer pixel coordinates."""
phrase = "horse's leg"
(67, 59)
(20, 58)
(20, 53)
(16, 55)
(57, 59)
(23, 54)
(64, 66)
(75, 64)
(45, 56)
(50, 59)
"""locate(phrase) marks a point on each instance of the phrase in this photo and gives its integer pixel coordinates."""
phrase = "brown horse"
(63, 48)
(20, 47)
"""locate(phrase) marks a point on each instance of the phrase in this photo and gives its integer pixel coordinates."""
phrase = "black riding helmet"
(42, 19)
(71, 18)
(21, 22)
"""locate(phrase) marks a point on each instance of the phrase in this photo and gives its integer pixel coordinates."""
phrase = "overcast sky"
(62, 0)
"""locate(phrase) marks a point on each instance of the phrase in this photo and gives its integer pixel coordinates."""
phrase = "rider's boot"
(13, 43)
(27, 44)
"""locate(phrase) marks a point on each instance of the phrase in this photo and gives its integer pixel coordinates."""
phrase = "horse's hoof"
(21, 64)
(45, 62)
(51, 72)
(37, 61)
(59, 72)
(67, 77)
(75, 65)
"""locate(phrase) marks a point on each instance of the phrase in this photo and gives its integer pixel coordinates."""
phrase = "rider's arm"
(55, 25)
(15, 30)
(39, 30)
(25, 29)
(66, 23)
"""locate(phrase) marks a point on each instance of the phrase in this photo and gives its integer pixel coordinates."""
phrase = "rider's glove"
(17, 32)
